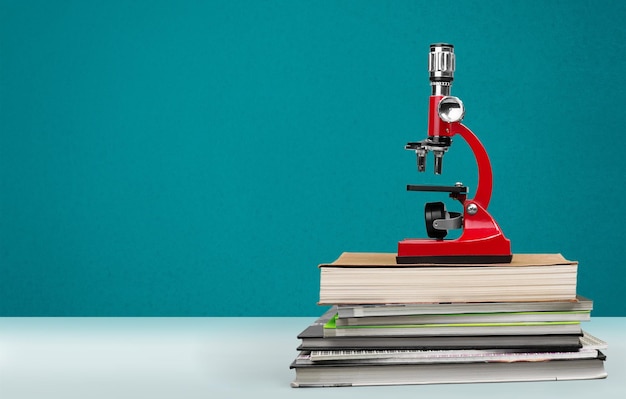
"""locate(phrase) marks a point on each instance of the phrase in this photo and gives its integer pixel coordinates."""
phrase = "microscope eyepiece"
(441, 62)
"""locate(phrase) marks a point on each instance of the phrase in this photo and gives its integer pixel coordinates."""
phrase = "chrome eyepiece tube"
(441, 64)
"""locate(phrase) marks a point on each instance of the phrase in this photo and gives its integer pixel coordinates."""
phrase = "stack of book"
(419, 324)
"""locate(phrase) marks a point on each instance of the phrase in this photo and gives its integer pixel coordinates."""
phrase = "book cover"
(378, 259)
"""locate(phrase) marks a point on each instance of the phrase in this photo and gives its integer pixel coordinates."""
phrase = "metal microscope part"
(441, 65)
(452, 221)
(454, 191)
(438, 145)
(421, 159)
(451, 109)
(438, 160)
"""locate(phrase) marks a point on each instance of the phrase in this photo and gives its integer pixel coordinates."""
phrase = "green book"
(452, 329)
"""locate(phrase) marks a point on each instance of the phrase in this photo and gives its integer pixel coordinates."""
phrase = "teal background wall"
(203, 157)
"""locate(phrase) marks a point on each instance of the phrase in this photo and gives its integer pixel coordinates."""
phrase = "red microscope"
(481, 240)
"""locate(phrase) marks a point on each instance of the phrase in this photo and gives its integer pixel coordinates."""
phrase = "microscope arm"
(485, 175)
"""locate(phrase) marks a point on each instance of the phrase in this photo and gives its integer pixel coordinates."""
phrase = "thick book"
(375, 278)
(312, 374)
(312, 338)
(408, 309)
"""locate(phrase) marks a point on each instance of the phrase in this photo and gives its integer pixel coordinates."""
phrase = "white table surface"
(222, 358)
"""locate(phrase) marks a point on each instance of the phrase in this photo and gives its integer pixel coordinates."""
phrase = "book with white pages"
(344, 375)
(589, 350)
(409, 309)
(466, 318)
(376, 278)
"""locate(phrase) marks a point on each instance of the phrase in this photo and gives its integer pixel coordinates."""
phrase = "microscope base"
(488, 250)
(454, 259)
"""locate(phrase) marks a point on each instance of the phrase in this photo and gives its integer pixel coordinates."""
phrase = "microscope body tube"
(436, 127)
